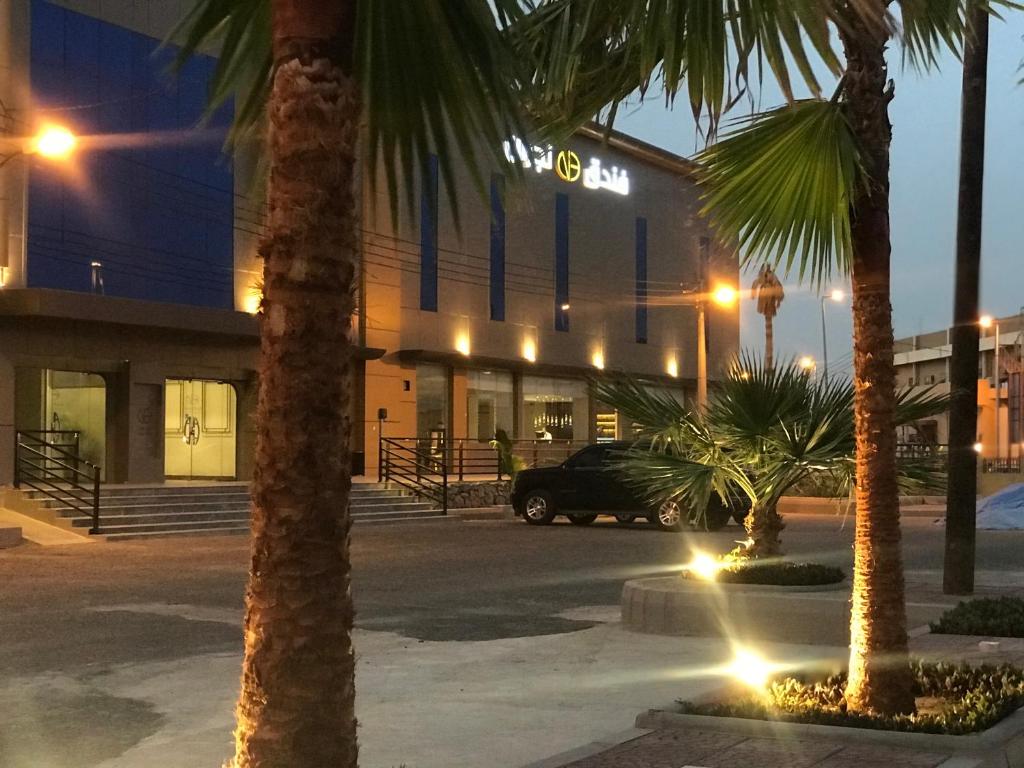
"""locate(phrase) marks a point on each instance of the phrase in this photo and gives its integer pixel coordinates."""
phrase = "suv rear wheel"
(539, 508)
(669, 516)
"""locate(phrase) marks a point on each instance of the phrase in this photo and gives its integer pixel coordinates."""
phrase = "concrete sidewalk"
(699, 748)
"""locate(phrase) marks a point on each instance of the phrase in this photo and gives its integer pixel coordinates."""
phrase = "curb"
(499, 512)
(588, 750)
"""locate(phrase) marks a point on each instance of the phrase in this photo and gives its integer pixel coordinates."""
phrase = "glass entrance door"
(199, 429)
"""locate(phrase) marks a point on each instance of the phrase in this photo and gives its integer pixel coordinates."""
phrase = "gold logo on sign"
(568, 166)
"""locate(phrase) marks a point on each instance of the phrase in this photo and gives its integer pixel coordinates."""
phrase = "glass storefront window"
(489, 405)
(431, 399)
(555, 409)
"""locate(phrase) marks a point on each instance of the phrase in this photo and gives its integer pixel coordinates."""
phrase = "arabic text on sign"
(568, 166)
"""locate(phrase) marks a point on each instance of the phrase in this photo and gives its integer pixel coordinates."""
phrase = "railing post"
(17, 461)
(444, 486)
(95, 501)
(462, 444)
(380, 451)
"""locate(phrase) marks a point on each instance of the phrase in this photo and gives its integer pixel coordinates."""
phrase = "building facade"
(131, 280)
(923, 362)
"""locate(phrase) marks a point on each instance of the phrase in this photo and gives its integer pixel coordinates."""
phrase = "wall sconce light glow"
(462, 344)
(704, 566)
(3, 276)
(565, 307)
(725, 295)
(530, 350)
(750, 668)
(985, 321)
(252, 303)
(837, 295)
(672, 367)
(54, 142)
(597, 359)
(978, 447)
(806, 363)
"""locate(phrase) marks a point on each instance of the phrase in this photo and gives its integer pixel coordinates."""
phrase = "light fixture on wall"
(3, 276)
(462, 343)
(530, 350)
(672, 367)
(597, 359)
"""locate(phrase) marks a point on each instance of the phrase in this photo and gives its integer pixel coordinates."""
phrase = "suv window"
(591, 457)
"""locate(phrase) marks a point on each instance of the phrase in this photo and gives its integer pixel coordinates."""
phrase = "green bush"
(998, 617)
(778, 574)
(971, 699)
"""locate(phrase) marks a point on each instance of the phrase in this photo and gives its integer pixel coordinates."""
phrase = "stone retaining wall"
(482, 494)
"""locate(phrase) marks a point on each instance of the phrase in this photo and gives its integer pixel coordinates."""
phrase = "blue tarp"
(1003, 510)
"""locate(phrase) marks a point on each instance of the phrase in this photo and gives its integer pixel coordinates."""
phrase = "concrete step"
(183, 519)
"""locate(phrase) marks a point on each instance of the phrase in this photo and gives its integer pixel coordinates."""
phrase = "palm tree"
(770, 295)
(764, 431)
(316, 73)
(805, 185)
(961, 495)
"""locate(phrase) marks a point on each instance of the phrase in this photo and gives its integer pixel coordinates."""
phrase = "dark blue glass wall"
(497, 247)
(641, 280)
(561, 262)
(154, 202)
(428, 237)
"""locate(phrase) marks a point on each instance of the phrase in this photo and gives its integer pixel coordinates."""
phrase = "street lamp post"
(724, 296)
(987, 321)
(835, 295)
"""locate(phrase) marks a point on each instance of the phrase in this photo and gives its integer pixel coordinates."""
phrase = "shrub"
(968, 699)
(778, 573)
(999, 617)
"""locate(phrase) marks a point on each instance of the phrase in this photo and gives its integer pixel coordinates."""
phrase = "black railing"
(416, 465)
(48, 461)
(1008, 465)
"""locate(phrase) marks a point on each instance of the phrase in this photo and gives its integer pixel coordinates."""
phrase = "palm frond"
(436, 77)
(588, 54)
(781, 184)
(928, 27)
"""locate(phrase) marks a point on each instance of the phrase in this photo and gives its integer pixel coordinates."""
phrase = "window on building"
(641, 280)
(431, 399)
(428, 237)
(489, 404)
(555, 409)
(497, 247)
(561, 262)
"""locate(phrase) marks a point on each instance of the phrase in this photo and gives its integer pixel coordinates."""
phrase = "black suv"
(586, 485)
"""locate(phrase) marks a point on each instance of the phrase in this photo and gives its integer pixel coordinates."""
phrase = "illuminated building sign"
(567, 166)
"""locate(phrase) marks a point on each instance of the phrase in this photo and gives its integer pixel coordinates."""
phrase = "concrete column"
(245, 444)
(7, 387)
(118, 426)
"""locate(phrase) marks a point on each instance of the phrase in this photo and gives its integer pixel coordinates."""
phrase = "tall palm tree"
(805, 185)
(764, 431)
(314, 73)
(769, 294)
(961, 494)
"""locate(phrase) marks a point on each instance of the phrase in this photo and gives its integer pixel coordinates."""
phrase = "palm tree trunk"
(962, 481)
(769, 342)
(296, 706)
(763, 525)
(879, 678)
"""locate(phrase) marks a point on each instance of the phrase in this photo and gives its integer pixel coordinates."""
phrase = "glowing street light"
(54, 142)
(837, 296)
(725, 295)
(986, 321)
(806, 363)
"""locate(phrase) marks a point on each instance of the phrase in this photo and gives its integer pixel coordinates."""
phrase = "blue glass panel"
(561, 262)
(157, 211)
(497, 247)
(641, 280)
(428, 238)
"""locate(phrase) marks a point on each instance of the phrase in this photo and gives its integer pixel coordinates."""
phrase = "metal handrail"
(36, 467)
(414, 469)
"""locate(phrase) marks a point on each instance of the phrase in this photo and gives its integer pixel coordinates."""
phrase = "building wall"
(147, 207)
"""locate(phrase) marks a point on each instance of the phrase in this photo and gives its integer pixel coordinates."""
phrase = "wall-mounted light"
(251, 303)
(462, 344)
(54, 142)
(672, 367)
(530, 350)
(565, 307)
(978, 447)
(3, 276)
(597, 359)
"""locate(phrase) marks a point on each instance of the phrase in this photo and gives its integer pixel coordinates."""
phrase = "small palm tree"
(764, 431)
(309, 79)
(769, 294)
